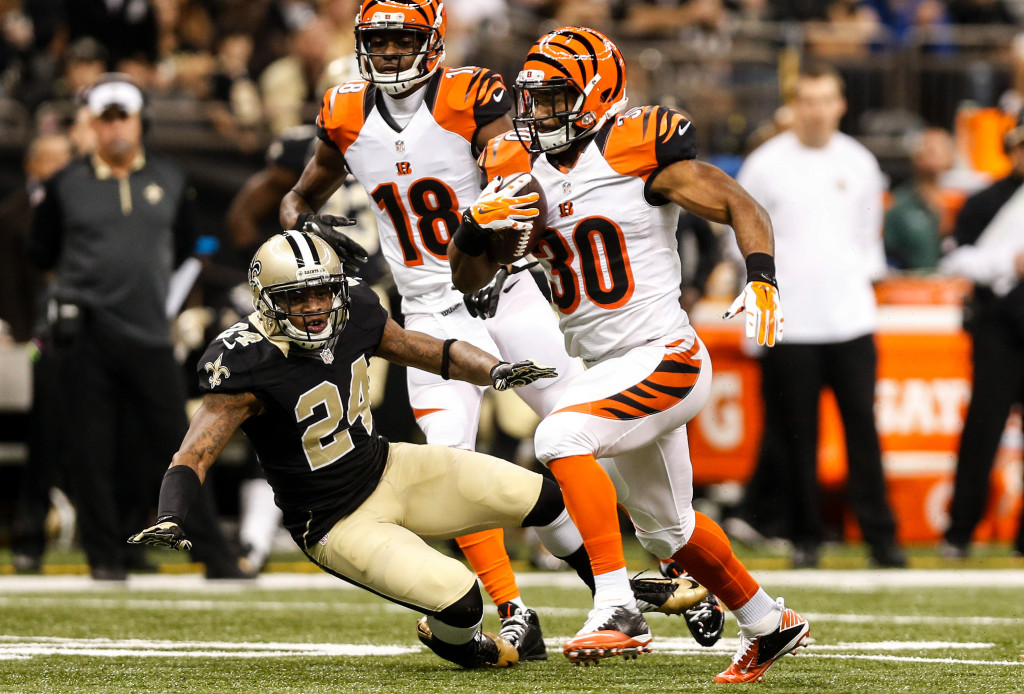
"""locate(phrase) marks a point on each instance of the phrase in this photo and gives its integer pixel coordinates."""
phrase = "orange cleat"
(757, 654)
(608, 632)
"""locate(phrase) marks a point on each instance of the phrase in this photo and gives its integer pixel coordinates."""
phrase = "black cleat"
(521, 628)
(483, 650)
(681, 595)
(706, 621)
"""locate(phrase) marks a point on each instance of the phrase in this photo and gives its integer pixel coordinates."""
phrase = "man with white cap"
(112, 227)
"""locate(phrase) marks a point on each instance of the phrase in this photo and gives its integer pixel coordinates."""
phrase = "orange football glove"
(760, 301)
(498, 208)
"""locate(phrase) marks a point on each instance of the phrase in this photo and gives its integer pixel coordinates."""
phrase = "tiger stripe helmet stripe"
(425, 17)
(426, 12)
(589, 68)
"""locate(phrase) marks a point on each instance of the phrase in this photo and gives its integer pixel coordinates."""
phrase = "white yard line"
(20, 648)
(683, 645)
(859, 580)
(383, 606)
(911, 659)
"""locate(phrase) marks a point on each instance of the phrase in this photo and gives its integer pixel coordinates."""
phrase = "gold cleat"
(667, 595)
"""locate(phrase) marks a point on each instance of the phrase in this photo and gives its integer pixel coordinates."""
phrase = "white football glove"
(760, 301)
(499, 208)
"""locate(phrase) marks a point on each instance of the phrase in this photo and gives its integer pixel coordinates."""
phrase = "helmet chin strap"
(406, 79)
(303, 338)
(559, 140)
(402, 80)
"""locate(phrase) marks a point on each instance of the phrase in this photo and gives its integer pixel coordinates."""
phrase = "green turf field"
(955, 629)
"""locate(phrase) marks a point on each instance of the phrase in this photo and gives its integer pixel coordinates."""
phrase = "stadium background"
(727, 66)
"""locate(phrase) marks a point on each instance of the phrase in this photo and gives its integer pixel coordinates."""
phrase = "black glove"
(484, 302)
(505, 375)
(166, 533)
(352, 255)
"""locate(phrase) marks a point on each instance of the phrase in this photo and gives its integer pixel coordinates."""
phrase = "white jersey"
(419, 177)
(610, 248)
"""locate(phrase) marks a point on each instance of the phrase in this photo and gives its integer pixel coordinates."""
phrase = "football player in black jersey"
(293, 376)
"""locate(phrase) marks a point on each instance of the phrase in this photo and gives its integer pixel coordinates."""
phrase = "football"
(509, 245)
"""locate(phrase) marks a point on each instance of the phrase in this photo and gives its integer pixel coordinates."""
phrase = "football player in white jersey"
(410, 132)
(610, 178)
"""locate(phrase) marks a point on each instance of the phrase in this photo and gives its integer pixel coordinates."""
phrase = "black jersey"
(314, 437)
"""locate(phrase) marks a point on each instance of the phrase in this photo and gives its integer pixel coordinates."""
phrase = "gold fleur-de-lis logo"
(153, 193)
(216, 371)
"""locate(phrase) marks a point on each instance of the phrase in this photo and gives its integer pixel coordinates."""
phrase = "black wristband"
(446, 360)
(302, 219)
(177, 492)
(761, 268)
(469, 237)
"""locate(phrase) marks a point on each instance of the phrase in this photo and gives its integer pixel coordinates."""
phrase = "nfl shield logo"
(399, 145)
(327, 355)
(566, 187)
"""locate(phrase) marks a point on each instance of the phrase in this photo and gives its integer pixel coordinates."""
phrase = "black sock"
(580, 562)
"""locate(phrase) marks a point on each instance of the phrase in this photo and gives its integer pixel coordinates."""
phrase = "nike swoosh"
(499, 95)
(771, 645)
(684, 128)
(506, 289)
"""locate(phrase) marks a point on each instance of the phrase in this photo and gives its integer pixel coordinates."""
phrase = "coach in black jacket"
(113, 227)
(996, 324)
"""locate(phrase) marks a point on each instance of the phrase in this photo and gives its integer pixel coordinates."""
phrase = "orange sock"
(486, 554)
(590, 499)
(709, 558)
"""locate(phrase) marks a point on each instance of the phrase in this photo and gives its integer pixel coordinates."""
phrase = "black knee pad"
(549, 506)
(465, 612)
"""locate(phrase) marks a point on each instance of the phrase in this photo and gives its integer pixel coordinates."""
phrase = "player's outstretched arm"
(455, 359)
(212, 425)
(323, 175)
(709, 192)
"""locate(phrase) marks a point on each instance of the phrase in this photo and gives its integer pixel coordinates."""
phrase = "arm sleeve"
(47, 233)
(228, 366)
(492, 99)
(367, 311)
(186, 229)
(291, 153)
(873, 205)
(709, 251)
(971, 221)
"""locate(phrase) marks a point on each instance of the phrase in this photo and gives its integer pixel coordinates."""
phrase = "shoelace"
(514, 628)
(596, 619)
(700, 611)
(745, 645)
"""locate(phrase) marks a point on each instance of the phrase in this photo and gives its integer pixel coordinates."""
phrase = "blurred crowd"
(253, 70)
(257, 65)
